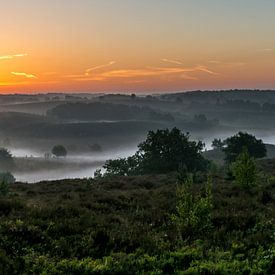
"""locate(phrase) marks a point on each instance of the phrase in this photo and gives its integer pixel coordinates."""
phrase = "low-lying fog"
(83, 165)
(72, 166)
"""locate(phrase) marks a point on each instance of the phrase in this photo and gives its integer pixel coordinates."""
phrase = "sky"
(136, 45)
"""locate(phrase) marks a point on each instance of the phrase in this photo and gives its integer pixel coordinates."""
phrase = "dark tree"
(235, 145)
(59, 151)
(5, 155)
(118, 167)
(6, 160)
(217, 144)
(123, 166)
(165, 151)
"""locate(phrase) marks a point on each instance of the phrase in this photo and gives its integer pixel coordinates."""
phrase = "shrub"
(6, 179)
(245, 171)
(6, 160)
(193, 213)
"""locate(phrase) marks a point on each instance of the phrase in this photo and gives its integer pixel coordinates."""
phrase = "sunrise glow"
(140, 46)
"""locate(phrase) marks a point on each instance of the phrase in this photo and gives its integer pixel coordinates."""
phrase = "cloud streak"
(180, 72)
(9, 57)
(226, 64)
(171, 61)
(13, 83)
(23, 74)
(88, 71)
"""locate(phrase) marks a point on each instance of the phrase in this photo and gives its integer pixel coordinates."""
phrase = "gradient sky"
(136, 45)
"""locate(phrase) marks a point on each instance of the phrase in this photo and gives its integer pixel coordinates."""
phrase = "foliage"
(5, 154)
(123, 166)
(6, 179)
(245, 171)
(122, 225)
(59, 151)
(6, 160)
(163, 151)
(193, 213)
(217, 143)
(187, 260)
(234, 146)
(97, 174)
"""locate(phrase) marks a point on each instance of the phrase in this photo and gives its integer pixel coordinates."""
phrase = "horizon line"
(134, 92)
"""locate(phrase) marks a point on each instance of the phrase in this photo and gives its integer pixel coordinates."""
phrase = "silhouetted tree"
(217, 144)
(59, 151)
(6, 160)
(235, 145)
(163, 151)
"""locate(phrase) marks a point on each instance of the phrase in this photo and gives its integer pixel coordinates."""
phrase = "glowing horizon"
(136, 46)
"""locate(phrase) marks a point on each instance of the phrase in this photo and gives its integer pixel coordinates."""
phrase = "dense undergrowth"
(124, 225)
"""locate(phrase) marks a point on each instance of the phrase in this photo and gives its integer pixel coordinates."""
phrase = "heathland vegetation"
(164, 210)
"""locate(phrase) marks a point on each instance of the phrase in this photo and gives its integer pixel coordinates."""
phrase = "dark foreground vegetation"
(124, 225)
(194, 218)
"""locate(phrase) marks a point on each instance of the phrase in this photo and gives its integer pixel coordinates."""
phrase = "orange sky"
(136, 46)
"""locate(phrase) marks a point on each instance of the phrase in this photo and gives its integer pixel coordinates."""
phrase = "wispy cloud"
(13, 83)
(188, 77)
(26, 82)
(180, 72)
(20, 55)
(23, 74)
(172, 61)
(8, 57)
(205, 69)
(226, 64)
(214, 62)
(88, 71)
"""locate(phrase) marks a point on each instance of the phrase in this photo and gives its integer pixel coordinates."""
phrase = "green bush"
(245, 171)
(187, 260)
(6, 179)
(193, 213)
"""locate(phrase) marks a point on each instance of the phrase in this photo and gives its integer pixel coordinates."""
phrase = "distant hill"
(106, 111)
(9, 120)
